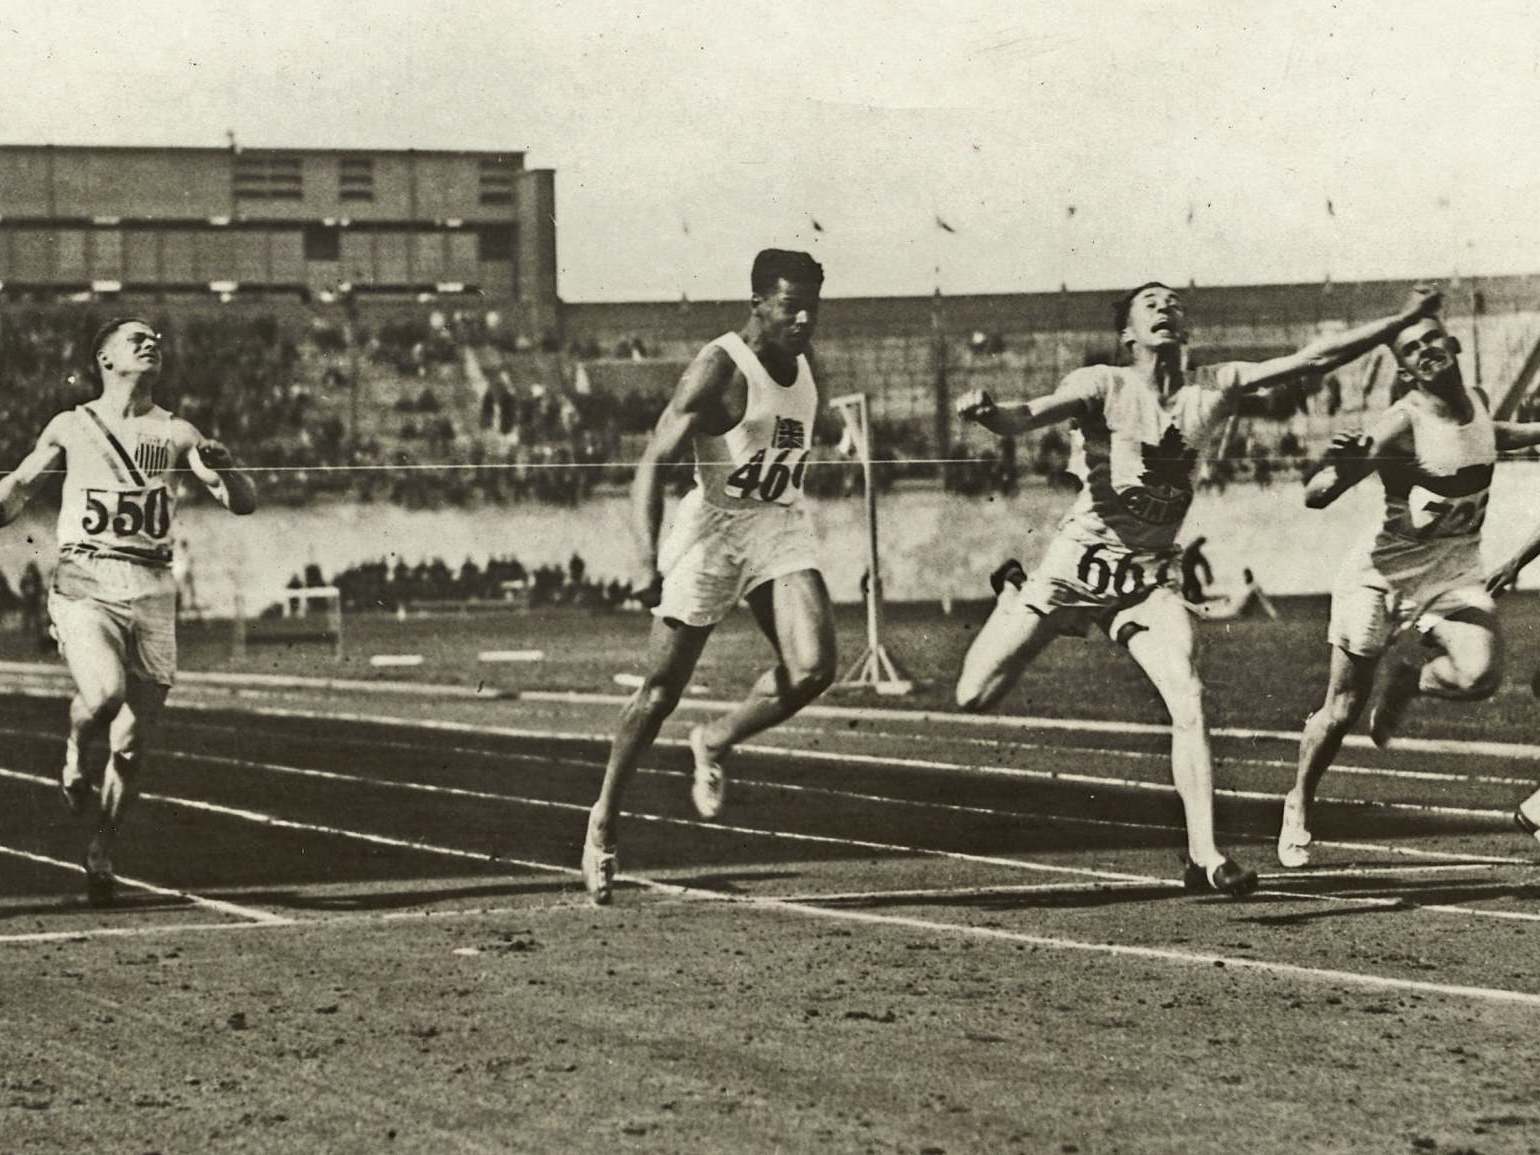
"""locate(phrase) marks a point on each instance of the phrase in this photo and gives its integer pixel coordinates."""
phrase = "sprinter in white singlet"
(1434, 451)
(1138, 432)
(113, 601)
(747, 404)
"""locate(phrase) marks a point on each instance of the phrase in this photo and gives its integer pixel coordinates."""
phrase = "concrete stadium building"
(175, 222)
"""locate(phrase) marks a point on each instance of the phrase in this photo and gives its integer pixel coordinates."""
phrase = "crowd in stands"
(381, 585)
(429, 406)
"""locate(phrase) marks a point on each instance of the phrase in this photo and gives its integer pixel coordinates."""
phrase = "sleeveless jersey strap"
(743, 357)
(116, 447)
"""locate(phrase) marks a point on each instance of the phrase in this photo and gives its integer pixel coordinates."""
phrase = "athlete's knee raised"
(1480, 683)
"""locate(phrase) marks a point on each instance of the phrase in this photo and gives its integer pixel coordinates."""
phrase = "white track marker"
(249, 913)
(627, 681)
(511, 656)
(379, 661)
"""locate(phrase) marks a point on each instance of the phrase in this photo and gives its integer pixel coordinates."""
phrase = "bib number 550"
(1126, 578)
(134, 511)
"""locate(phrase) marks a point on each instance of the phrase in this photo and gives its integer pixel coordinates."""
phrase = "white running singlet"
(761, 460)
(119, 497)
(1435, 500)
(1136, 452)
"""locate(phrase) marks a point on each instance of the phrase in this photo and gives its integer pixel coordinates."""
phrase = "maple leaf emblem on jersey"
(1168, 465)
(1165, 488)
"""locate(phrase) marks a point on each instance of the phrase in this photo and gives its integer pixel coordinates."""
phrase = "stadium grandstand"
(385, 325)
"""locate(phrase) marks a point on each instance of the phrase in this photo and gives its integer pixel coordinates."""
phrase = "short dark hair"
(106, 329)
(1121, 307)
(772, 265)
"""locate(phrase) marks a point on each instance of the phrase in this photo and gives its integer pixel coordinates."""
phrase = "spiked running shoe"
(76, 791)
(1226, 877)
(1525, 823)
(1008, 573)
(101, 884)
(710, 785)
(1293, 835)
(599, 869)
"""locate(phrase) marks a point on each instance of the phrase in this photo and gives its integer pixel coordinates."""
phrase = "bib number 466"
(1126, 578)
(755, 479)
(132, 512)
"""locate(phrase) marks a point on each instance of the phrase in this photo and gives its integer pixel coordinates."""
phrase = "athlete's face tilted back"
(132, 348)
(789, 315)
(1157, 319)
(1426, 354)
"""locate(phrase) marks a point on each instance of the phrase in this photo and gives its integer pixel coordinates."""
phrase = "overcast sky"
(1095, 143)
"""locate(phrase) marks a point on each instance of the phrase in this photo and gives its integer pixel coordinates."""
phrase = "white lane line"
(250, 913)
(272, 820)
(1348, 769)
(439, 724)
(1152, 954)
(232, 683)
(765, 903)
(760, 832)
(513, 756)
(1092, 887)
(1528, 750)
(155, 931)
(461, 727)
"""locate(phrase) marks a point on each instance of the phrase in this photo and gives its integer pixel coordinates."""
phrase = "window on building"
(355, 178)
(497, 176)
(323, 243)
(268, 176)
(495, 243)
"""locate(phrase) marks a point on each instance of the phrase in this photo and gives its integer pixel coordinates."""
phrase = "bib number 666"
(1126, 578)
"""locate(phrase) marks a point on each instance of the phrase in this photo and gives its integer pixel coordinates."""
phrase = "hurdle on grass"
(875, 669)
(288, 616)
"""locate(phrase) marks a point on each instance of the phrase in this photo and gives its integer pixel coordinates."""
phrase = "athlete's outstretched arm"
(1008, 418)
(1333, 352)
(1352, 457)
(18, 486)
(700, 392)
(213, 465)
(1516, 434)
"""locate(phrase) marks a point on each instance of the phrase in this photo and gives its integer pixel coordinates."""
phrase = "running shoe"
(1293, 835)
(709, 788)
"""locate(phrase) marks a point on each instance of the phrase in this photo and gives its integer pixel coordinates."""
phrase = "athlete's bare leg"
(1466, 667)
(795, 614)
(673, 650)
(96, 665)
(1470, 664)
(1165, 649)
(1348, 683)
(1001, 653)
(127, 737)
